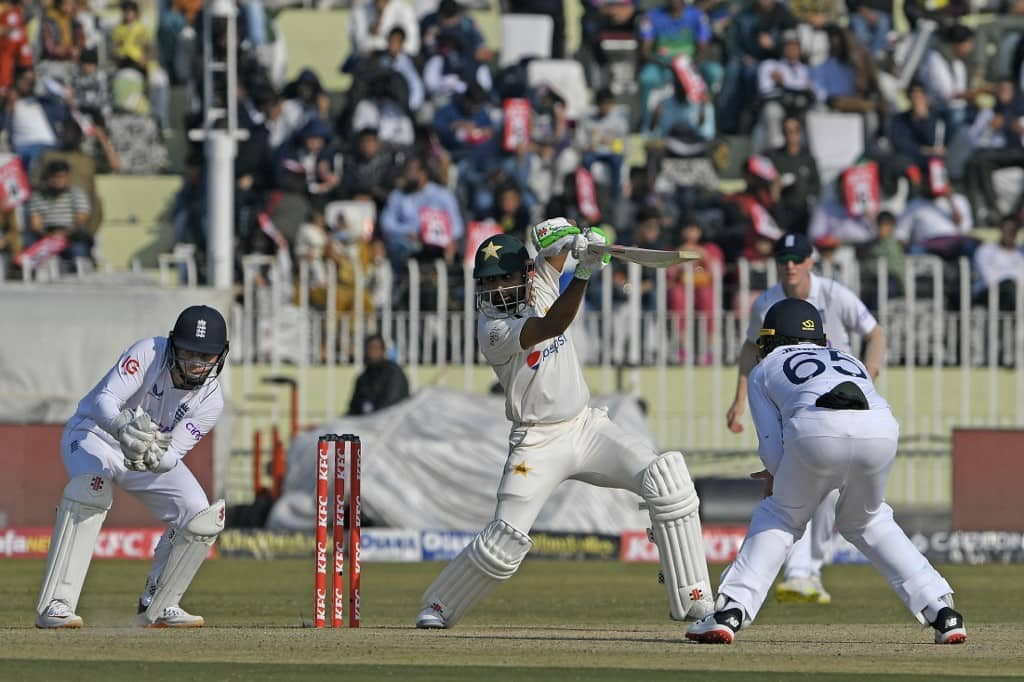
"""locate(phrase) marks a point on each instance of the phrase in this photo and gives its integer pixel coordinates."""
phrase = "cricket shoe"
(58, 615)
(949, 627)
(430, 619)
(802, 590)
(717, 628)
(172, 617)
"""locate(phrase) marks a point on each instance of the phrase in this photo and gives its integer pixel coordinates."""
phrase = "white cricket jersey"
(791, 379)
(841, 311)
(543, 384)
(141, 378)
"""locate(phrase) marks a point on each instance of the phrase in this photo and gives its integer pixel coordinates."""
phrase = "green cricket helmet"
(499, 257)
(789, 322)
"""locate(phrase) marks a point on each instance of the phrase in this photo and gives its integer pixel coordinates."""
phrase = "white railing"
(632, 347)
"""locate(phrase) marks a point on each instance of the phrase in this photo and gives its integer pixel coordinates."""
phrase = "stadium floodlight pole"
(220, 132)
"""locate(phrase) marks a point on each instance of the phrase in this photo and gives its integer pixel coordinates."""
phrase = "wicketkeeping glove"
(134, 431)
(590, 263)
(156, 451)
(553, 237)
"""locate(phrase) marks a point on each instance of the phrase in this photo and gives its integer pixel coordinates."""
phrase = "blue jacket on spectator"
(461, 142)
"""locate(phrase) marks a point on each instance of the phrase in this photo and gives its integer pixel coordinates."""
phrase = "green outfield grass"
(554, 620)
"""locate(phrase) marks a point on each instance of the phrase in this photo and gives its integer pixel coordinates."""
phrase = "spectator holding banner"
(421, 218)
(58, 209)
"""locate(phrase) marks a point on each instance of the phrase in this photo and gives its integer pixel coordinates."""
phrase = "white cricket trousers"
(173, 497)
(588, 448)
(853, 451)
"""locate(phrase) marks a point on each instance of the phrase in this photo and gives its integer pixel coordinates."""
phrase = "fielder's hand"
(553, 237)
(590, 263)
(732, 417)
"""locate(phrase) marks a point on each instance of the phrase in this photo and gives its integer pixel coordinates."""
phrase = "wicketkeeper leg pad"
(491, 558)
(83, 507)
(672, 503)
(189, 547)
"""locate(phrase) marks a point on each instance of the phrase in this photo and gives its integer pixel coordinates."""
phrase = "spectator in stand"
(602, 137)
(677, 29)
(938, 224)
(310, 150)
(702, 273)
(395, 58)
(81, 166)
(757, 31)
(997, 138)
(421, 219)
(813, 17)
(304, 99)
(696, 116)
(755, 204)
(887, 248)
(133, 49)
(131, 40)
(31, 122)
(801, 182)
(871, 23)
(62, 37)
(371, 23)
(318, 247)
(91, 88)
(382, 384)
(451, 19)
(188, 211)
(57, 208)
(15, 49)
(510, 212)
(847, 81)
(648, 233)
(918, 133)
(383, 108)
(453, 68)
(1000, 266)
(602, 18)
(369, 173)
(946, 76)
(467, 131)
(832, 219)
(785, 88)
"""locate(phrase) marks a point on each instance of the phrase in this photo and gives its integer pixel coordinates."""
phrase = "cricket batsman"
(134, 429)
(556, 436)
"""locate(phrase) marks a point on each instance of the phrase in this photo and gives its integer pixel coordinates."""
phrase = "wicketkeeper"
(133, 429)
(555, 434)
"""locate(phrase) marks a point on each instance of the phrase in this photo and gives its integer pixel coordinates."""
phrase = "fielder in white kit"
(555, 434)
(843, 313)
(821, 426)
(133, 429)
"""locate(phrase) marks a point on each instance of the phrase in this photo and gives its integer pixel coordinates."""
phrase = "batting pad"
(189, 546)
(490, 559)
(80, 516)
(672, 503)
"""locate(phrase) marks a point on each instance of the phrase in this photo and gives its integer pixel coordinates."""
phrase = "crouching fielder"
(821, 426)
(555, 434)
(133, 429)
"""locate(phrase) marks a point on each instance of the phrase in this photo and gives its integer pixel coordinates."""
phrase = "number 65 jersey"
(792, 379)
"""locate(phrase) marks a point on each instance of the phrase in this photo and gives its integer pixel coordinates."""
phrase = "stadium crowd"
(443, 144)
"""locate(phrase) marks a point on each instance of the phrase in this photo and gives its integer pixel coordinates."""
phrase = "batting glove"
(591, 263)
(553, 237)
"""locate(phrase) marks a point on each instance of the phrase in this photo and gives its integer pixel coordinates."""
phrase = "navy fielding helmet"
(500, 256)
(200, 333)
(788, 322)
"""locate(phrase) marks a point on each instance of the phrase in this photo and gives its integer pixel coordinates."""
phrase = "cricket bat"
(651, 258)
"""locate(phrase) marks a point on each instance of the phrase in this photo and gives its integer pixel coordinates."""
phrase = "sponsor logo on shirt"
(130, 365)
(534, 359)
